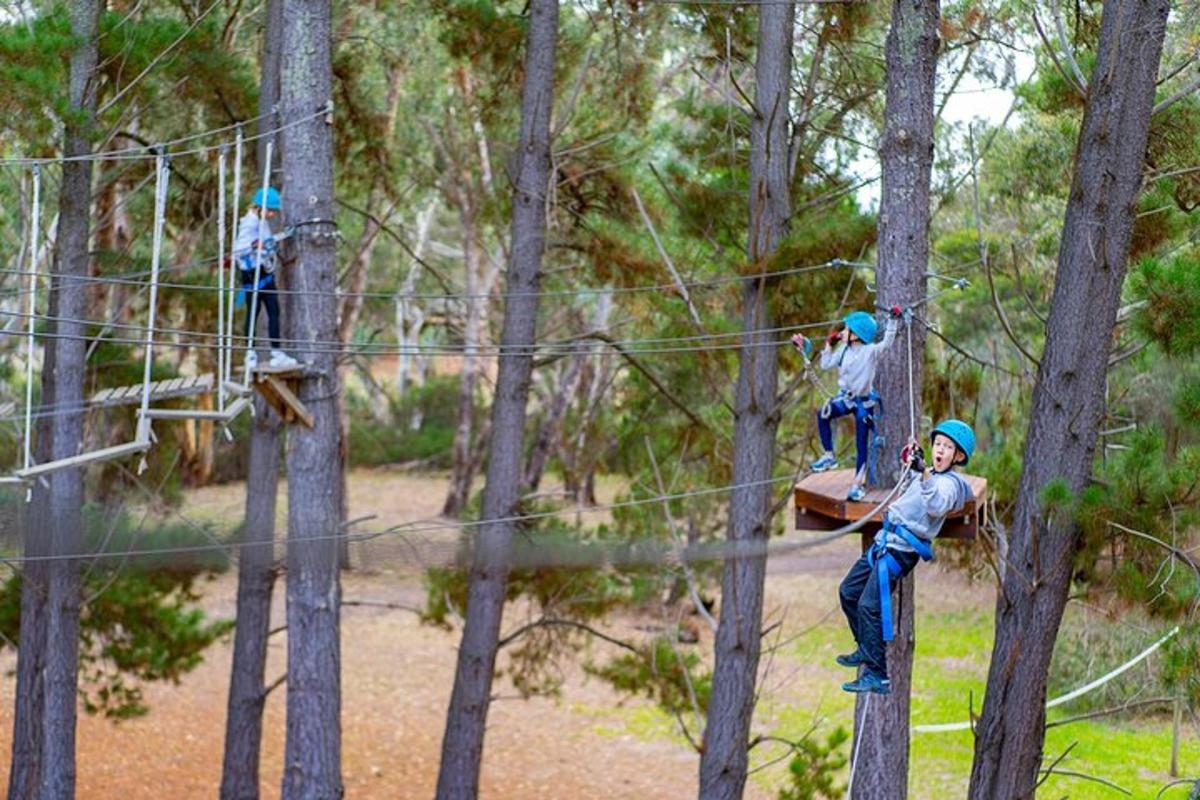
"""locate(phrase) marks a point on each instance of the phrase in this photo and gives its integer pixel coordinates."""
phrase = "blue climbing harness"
(887, 567)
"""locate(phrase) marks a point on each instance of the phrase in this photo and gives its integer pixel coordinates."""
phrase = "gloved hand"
(803, 344)
(897, 312)
(914, 456)
(832, 339)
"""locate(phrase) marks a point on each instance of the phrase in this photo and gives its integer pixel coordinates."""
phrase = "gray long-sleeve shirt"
(856, 362)
(924, 506)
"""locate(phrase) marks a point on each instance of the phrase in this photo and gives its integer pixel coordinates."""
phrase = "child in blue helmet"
(854, 352)
(909, 527)
(255, 249)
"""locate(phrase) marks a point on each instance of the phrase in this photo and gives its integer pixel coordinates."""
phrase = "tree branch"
(564, 623)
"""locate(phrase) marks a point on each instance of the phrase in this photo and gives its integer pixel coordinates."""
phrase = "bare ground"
(397, 676)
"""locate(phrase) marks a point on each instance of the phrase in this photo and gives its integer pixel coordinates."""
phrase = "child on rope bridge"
(854, 352)
(909, 527)
(256, 247)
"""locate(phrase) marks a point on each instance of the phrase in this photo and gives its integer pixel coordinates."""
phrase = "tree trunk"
(256, 581)
(1068, 398)
(312, 755)
(906, 153)
(462, 470)
(48, 653)
(738, 642)
(548, 433)
(256, 571)
(466, 719)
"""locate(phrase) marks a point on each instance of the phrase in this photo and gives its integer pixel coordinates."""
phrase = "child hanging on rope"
(853, 351)
(909, 527)
(255, 249)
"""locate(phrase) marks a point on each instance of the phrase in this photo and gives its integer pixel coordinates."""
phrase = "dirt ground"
(397, 676)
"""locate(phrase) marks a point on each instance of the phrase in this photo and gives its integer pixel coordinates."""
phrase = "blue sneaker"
(825, 462)
(857, 493)
(869, 682)
(854, 659)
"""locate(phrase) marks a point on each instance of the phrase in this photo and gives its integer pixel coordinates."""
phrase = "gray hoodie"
(856, 362)
(924, 506)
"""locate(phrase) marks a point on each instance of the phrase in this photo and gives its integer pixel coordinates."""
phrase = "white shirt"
(924, 506)
(856, 362)
(252, 229)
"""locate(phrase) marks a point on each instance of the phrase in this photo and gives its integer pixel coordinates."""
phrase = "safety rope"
(34, 246)
(258, 257)
(858, 744)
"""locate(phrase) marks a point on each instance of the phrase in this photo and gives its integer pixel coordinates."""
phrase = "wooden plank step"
(159, 390)
(230, 412)
(820, 502)
(107, 454)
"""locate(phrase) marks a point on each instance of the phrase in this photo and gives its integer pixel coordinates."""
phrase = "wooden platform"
(280, 386)
(159, 390)
(821, 504)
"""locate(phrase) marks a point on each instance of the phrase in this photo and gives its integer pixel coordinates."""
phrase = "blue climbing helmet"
(268, 199)
(862, 325)
(958, 432)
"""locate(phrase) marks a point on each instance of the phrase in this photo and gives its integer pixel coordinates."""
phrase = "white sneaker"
(282, 359)
(252, 359)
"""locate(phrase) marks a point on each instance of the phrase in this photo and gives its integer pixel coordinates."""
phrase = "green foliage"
(1056, 498)
(141, 621)
(1171, 292)
(813, 770)
(661, 672)
(375, 442)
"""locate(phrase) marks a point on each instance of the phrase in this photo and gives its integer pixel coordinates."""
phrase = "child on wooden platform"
(854, 352)
(255, 249)
(909, 527)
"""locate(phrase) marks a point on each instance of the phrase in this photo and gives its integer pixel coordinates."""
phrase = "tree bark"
(1068, 397)
(312, 754)
(466, 719)
(48, 652)
(256, 582)
(906, 153)
(738, 643)
(256, 571)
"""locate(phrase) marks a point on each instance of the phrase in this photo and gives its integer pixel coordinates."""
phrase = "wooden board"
(159, 390)
(107, 454)
(231, 411)
(821, 504)
(280, 393)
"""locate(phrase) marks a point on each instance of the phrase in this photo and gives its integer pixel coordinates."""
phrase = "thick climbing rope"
(258, 257)
(237, 193)
(34, 245)
(221, 349)
(162, 167)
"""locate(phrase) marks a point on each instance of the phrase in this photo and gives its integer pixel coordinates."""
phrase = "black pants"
(860, 601)
(268, 300)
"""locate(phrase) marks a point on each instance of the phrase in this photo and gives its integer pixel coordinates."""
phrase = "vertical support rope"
(222, 351)
(237, 191)
(857, 744)
(912, 404)
(34, 245)
(162, 166)
(258, 255)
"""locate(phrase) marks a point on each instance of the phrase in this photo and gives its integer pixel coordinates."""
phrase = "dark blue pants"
(840, 407)
(268, 300)
(860, 601)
